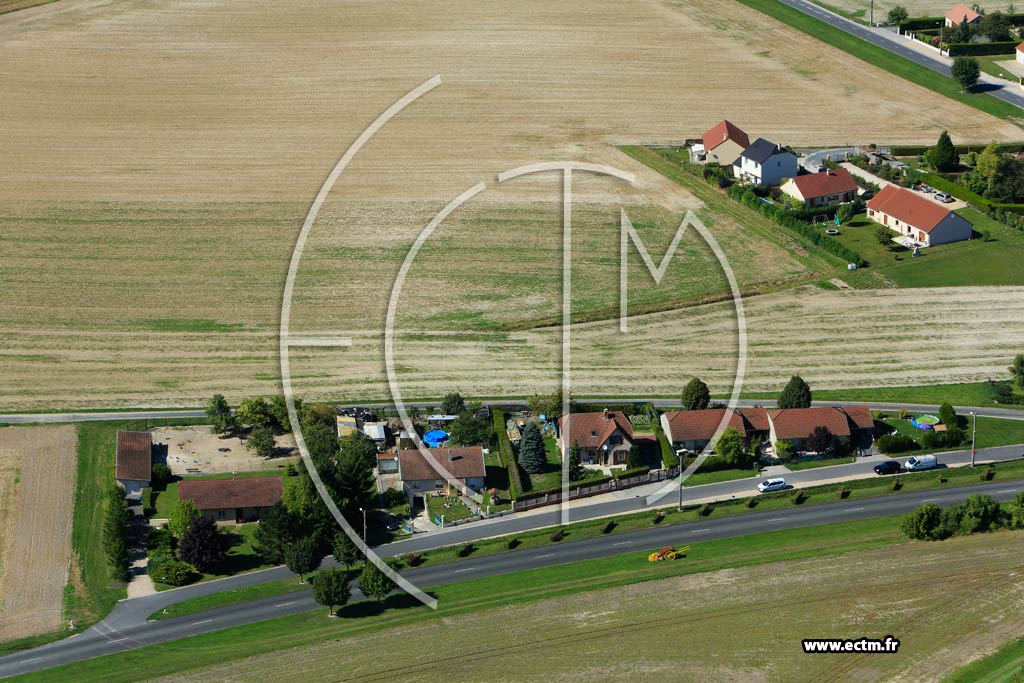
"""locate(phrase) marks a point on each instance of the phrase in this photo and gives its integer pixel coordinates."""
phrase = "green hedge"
(978, 49)
(668, 456)
(540, 493)
(948, 186)
(632, 472)
(916, 150)
(918, 23)
(507, 455)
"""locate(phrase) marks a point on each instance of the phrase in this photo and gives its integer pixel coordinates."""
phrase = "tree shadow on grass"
(373, 608)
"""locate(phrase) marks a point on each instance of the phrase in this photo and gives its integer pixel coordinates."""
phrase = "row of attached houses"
(694, 429)
(921, 219)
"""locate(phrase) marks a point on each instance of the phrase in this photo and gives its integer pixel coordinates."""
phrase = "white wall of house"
(772, 172)
(132, 487)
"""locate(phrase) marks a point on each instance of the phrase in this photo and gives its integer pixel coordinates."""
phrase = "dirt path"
(37, 532)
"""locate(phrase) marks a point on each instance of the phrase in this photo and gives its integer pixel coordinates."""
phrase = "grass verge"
(1005, 665)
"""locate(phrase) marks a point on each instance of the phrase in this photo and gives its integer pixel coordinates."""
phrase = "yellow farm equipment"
(667, 553)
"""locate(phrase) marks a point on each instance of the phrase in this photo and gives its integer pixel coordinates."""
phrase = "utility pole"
(363, 510)
(680, 472)
(871, 16)
(974, 437)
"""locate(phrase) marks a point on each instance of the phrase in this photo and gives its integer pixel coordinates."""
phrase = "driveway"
(871, 177)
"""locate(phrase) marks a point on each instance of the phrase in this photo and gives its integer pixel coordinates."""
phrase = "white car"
(776, 484)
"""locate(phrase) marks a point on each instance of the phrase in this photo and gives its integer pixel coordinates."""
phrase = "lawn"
(881, 58)
(452, 508)
(718, 475)
(992, 431)
(1005, 665)
(823, 462)
(963, 394)
(241, 557)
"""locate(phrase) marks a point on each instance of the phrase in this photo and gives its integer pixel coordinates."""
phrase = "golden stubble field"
(947, 603)
(159, 158)
(37, 491)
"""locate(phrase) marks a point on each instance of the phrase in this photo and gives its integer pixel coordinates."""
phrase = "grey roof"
(761, 150)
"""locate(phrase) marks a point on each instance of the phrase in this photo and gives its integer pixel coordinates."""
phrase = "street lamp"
(363, 510)
(974, 437)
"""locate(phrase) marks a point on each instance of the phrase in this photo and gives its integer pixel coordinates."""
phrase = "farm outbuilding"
(133, 457)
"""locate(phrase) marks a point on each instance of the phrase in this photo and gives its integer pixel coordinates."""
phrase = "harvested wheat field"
(732, 625)
(915, 8)
(37, 491)
(160, 158)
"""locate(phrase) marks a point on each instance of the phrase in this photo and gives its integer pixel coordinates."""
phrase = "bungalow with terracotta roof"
(603, 438)
(693, 429)
(724, 142)
(233, 501)
(961, 13)
(133, 461)
(853, 424)
(921, 219)
(421, 478)
(831, 186)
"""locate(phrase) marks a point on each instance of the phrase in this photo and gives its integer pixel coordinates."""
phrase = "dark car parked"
(887, 467)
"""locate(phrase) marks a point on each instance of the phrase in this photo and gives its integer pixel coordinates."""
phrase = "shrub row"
(668, 456)
(896, 443)
(507, 456)
(918, 23)
(978, 49)
(540, 493)
(115, 533)
(978, 514)
(915, 150)
(626, 473)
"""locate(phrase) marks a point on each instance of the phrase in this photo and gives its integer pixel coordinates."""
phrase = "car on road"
(921, 462)
(773, 484)
(887, 467)
(944, 197)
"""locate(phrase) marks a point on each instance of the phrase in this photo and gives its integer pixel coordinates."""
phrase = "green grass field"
(824, 462)
(966, 394)
(1005, 665)
(991, 432)
(700, 478)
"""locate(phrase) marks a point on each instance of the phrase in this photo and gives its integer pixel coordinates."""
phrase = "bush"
(842, 493)
(799, 498)
(898, 443)
(609, 527)
(176, 573)
(659, 517)
(414, 559)
(751, 502)
(466, 549)
(981, 49)
(557, 535)
(915, 24)
(925, 523)
(161, 476)
(513, 543)
(624, 474)
(705, 510)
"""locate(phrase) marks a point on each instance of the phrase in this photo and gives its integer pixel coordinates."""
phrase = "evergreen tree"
(374, 583)
(115, 533)
(303, 556)
(331, 588)
(274, 533)
(635, 458)
(943, 156)
(796, 394)
(532, 455)
(576, 470)
(203, 545)
(948, 416)
(696, 395)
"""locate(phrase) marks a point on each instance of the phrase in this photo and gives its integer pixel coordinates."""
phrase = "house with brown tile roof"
(796, 425)
(831, 186)
(921, 219)
(961, 13)
(133, 461)
(693, 429)
(603, 438)
(421, 478)
(724, 142)
(233, 501)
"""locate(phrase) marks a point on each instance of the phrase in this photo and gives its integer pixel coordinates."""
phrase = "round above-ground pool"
(435, 437)
(925, 421)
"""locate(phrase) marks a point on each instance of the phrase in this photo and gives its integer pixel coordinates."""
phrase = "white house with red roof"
(724, 142)
(831, 186)
(961, 13)
(1020, 53)
(603, 438)
(921, 219)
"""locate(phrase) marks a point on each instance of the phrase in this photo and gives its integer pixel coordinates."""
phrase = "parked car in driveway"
(887, 467)
(773, 484)
(944, 197)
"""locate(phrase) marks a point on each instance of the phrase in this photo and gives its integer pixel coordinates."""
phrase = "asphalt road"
(126, 628)
(897, 44)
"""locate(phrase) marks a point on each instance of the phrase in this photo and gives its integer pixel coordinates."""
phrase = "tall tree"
(331, 589)
(374, 583)
(696, 395)
(635, 458)
(321, 414)
(943, 156)
(966, 72)
(274, 533)
(453, 404)
(963, 33)
(576, 470)
(469, 430)
(796, 394)
(996, 27)
(532, 455)
(820, 439)
(1017, 371)
(218, 412)
(115, 533)
(948, 416)
(184, 513)
(897, 14)
(303, 556)
(345, 550)
(732, 448)
(360, 446)
(548, 405)
(202, 545)
(279, 412)
(254, 412)
(261, 441)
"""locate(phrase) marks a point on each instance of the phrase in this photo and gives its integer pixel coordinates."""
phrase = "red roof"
(462, 463)
(701, 425)
(960, 12)
(725, 130)
(909, 207)
(1020, 48)
(757, 419)
(134, 456)
(799, 423)
(860, 416)
(835, 181)
(248, 492)
(591, 430)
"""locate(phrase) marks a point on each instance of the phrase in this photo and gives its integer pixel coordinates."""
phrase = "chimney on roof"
(605, 413)
(451, 456)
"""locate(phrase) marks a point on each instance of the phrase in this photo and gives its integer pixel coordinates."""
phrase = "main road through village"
(127, 627)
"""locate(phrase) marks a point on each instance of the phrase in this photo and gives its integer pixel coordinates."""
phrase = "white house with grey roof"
(765, 163)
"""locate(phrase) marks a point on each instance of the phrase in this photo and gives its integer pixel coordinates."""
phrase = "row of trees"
(978, 514)
(796, 394)
(115, 533)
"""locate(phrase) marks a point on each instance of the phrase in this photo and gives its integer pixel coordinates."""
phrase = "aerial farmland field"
(160, 158)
